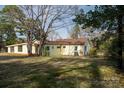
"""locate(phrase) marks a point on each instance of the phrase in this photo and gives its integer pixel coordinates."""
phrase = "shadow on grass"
(31, 75)
(50, 74)
(11, 57)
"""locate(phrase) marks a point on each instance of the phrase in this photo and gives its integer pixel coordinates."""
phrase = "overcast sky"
(63, 32)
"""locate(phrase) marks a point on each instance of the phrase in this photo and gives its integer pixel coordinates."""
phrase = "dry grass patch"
(58, 72)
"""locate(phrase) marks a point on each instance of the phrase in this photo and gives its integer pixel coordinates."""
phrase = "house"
(69, 47)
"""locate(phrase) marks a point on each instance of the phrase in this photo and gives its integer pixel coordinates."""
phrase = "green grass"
(50, 72)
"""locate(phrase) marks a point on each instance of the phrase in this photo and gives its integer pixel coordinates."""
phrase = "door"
(85, 50)
(47, 48)
(76, 51)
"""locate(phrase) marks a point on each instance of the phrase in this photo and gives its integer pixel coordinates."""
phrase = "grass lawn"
(47, 72)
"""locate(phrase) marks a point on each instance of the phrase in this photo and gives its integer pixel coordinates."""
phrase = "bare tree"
(44, 19)
(53, 35)
(75, 32)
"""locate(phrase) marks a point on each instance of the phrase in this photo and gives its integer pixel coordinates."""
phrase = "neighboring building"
(69, 47)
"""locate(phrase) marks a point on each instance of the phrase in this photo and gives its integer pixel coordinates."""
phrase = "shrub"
(93, 52)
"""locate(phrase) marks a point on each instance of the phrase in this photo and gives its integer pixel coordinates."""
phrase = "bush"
(110, 48)
(93, 52)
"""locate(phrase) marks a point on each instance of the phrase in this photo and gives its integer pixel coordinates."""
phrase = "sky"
(63, 32)
(1, 6)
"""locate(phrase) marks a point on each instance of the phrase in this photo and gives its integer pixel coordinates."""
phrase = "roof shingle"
(79, 41)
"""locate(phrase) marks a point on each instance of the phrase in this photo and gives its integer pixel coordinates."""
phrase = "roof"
(79, 41)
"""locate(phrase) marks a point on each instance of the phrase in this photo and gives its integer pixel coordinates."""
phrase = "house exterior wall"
(8, 50)
(33, 49)
(86, 51)
(24, 49)
(53, 50)
(68, 50)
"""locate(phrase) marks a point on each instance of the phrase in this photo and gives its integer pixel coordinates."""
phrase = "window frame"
(58, 46)
(12, 49)
(48, 48)
(64, 46)
(20, 50)
(76, 48)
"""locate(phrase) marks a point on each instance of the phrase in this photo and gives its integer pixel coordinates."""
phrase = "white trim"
(17, 44)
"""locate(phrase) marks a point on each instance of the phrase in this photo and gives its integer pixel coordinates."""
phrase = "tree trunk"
(29, 41)
(40, 48)
(29, 47)
(120, 33)
(123, 42)
(1, 42)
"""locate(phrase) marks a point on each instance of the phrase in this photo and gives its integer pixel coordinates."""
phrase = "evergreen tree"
(105, 17)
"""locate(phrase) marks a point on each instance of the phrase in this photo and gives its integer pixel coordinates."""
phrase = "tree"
(7, 31)
(8, 34)
(46, 19)
(53, 35)
(22, 24)
(75, 33)
(105, 17)
(38, 21)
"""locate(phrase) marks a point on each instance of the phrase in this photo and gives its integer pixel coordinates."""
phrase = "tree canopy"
(105, 18)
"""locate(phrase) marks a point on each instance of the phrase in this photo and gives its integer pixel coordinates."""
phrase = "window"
(47, 48)
(75, 48)
(64, 46)
(20, 48)
(75, 51)
(52, 47)
(12, 49)
(58, 47)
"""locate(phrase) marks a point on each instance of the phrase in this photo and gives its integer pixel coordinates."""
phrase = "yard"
(47, 72)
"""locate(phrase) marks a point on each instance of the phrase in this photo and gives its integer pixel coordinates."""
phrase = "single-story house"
(70, 47)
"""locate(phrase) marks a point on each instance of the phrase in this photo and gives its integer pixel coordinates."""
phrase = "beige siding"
(16, 49)
(24, 49)
(54, 51)
(68, 50)
(8, 49)
(33, 49)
